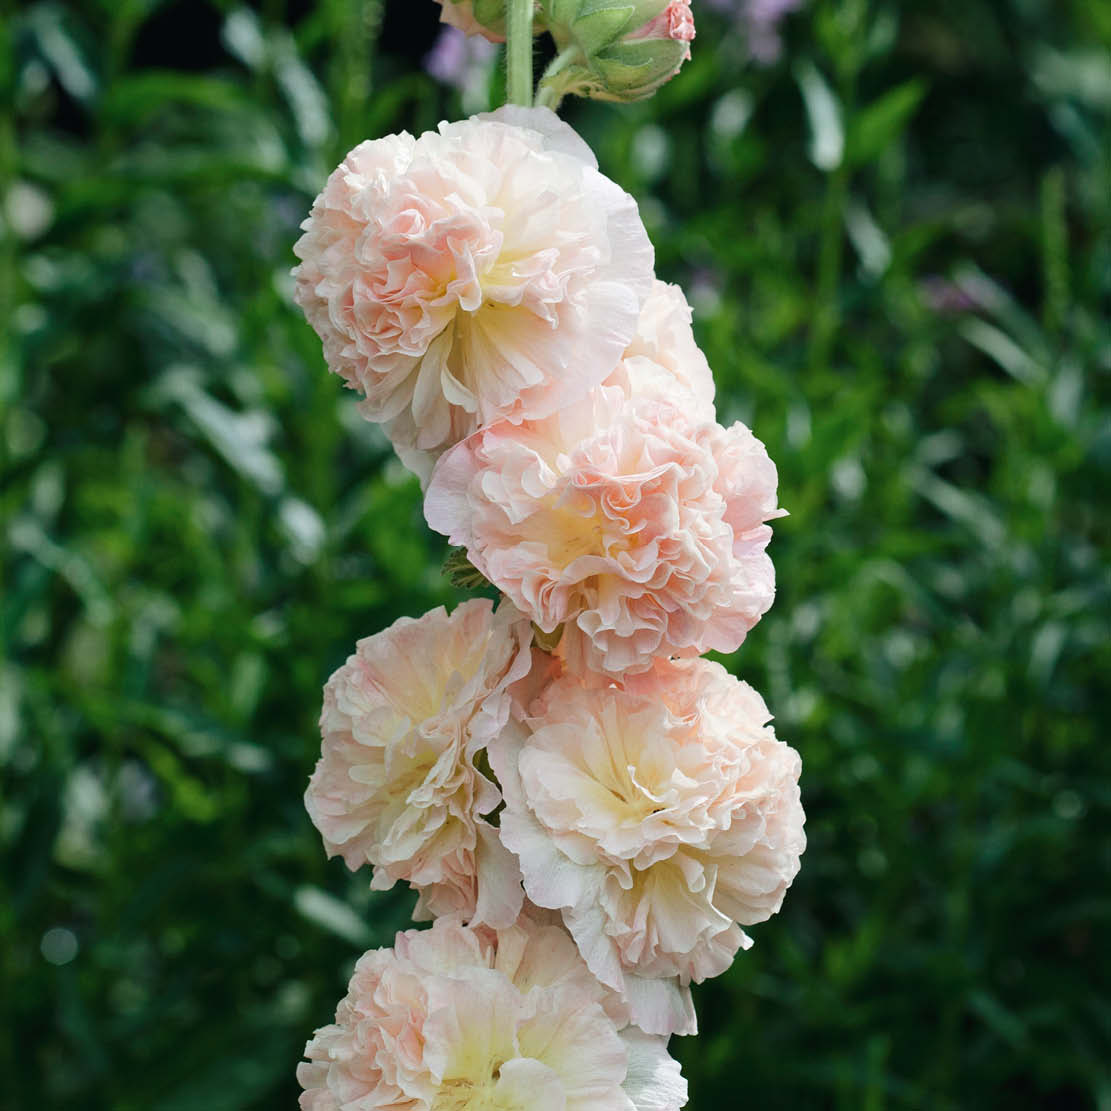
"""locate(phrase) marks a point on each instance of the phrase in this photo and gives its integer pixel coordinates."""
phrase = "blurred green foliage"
(898, 244)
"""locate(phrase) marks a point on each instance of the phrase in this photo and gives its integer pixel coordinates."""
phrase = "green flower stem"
(552, 91)
(1055, 249)
(518, 52)
(548, 97)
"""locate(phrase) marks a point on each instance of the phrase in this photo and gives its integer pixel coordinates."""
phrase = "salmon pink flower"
(674, 23)
(655, 816)
(486, 270)
(459, 1019)
(397, 785)
(639, 530)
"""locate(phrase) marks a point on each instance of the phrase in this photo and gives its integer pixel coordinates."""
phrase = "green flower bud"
(611, 50)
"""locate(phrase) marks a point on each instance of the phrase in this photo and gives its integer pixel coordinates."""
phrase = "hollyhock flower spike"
(483, 271)
(458, 1019)
(655, 816)
(639, 530)
(397, 785)
(590, 814)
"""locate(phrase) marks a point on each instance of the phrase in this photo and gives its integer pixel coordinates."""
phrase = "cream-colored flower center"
(632, 800)
(579, 525)
(574, 535)
(466, 1094)
(477, 1091)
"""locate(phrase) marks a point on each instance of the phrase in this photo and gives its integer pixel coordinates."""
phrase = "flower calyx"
(547, 642)
(461, 573)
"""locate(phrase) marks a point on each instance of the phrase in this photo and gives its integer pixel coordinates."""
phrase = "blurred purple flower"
(760, 20)
(946, 297)
(460, 60)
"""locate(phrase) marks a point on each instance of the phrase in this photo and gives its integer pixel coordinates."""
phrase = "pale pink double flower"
(630, 521)
(655, 816)
(483, 271)
(459, 1019)
(397, 786)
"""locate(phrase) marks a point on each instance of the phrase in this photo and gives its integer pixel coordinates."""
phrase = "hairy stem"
(518, 52)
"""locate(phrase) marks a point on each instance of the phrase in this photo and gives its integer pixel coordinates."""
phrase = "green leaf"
(242, 36)
(875, 127)
(138, 97)
(332, 914)
(59, 44)
(827, 132)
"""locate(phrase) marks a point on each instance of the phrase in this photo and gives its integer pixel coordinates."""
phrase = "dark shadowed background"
(893, 220)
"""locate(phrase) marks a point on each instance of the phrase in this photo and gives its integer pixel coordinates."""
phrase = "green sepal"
(461, 572)
(491, 14)
(633, 70)
(547, 642)
(560, 13)
(595, 30)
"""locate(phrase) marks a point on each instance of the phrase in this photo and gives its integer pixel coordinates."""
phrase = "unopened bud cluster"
(615, 51)
(606, 49)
